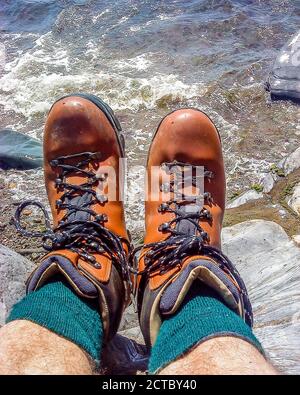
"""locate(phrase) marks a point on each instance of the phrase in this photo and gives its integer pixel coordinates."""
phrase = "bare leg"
(27, 348)
(221, 355)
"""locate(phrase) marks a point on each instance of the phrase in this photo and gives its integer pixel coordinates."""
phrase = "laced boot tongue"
(185, 226)
(186, 236)
(79, 201)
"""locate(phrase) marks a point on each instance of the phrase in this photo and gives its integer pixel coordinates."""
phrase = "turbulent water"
(146, 58)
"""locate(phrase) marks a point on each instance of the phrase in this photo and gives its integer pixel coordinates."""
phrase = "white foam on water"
(164, 17)
(2, 56)
(120, 22)
(142, 26)
(140, 62)
(30, 86)
(97, 17)
(135, 28)
(294, 40)
(134, 203)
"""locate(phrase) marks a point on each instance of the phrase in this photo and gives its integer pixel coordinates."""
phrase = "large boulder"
(294, 200)
(244, 198)
(269, 263)
(287, 165)
(284, 79)
(291, 162)
(14, 271)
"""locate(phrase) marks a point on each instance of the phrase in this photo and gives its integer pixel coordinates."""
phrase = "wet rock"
(14, 271)
(268, 182)
(244, 198)
(284, 79)
(129, 319)
(130, 325)
(294, 200)
(291, 162)
(18, 151)
(286, 166)
(282, 213)
(296, 240)
(269, 263)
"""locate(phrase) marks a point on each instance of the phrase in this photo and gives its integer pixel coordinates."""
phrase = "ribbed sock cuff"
(202, 316)
(55, 306)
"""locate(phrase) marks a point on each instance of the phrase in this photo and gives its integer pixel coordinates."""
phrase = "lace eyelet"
(58, 182)
(104, 217)
(207, 196)
(94, 245)
(163, 227)
(163, 208)
(102, 198)
(208, 174)
(101, 217)
(95, 155)
(53, 162)
(101, 176)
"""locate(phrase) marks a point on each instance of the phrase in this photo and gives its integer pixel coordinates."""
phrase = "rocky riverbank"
(276, 198)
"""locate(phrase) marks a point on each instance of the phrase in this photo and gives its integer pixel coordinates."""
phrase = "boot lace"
(170, 252)
(161, 257)
(82, 236)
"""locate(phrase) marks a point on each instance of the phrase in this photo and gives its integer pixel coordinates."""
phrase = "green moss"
(276, 170)
(135, 84)
(164, 101)
(234, 195)
(146, 93)
(288, 189)
(257, 187)
(231, 97)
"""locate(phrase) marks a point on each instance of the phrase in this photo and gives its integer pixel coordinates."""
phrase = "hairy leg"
(27, 348)
(221, 355)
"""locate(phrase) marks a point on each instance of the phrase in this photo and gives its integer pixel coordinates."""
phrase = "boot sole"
(108, 112)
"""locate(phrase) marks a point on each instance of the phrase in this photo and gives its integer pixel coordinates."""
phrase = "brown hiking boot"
(183, 232)
(89, 244)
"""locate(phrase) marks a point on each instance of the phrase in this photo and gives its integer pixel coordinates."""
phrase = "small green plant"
(231, 97)
(289, 188)
(234, 195)
(257, 187)
(276, 170)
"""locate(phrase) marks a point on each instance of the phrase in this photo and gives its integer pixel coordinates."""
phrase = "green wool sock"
(55, 306)
(203, 315)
